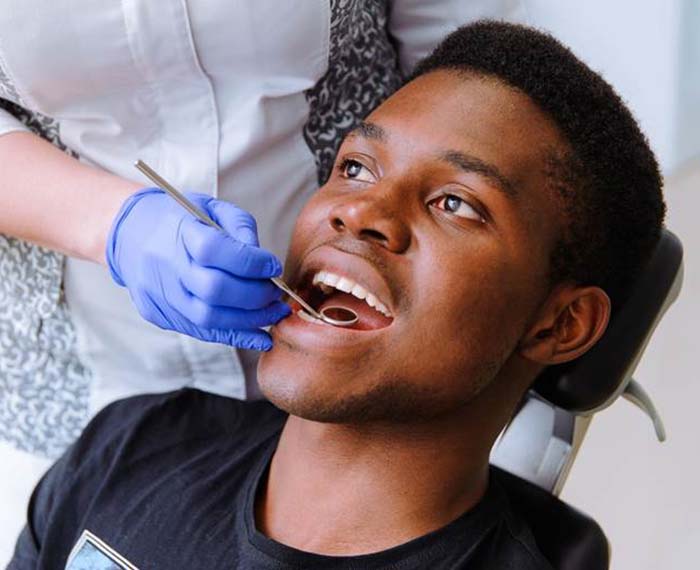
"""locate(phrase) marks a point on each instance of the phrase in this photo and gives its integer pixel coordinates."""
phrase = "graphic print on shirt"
(92, 553)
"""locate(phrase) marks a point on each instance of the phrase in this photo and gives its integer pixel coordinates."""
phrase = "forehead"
(481, 116)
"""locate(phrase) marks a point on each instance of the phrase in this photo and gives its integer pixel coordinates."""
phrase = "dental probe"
(348, 316)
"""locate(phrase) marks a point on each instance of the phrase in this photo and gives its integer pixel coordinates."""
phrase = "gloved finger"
(210, 247)
(217, 287)
(208, 316)
(254, 339)
(237, 223)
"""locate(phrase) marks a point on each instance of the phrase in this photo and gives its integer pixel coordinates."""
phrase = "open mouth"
(325, 289)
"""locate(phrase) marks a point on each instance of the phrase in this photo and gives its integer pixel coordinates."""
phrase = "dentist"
(108, 288)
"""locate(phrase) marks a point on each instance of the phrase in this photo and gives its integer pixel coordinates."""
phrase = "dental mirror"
(333, 315)
(336, 316)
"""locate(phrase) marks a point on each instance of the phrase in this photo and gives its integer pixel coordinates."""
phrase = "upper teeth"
(328, 280)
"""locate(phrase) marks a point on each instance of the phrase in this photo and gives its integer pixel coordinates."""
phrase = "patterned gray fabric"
(7, 88)
(363, 71)
(44, 388)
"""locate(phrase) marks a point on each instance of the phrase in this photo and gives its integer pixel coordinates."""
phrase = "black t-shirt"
(169, 481)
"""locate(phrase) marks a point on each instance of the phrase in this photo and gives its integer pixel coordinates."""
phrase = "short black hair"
(609, 181)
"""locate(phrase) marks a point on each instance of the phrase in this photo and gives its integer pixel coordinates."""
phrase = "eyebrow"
(369, 131)
(469, 163)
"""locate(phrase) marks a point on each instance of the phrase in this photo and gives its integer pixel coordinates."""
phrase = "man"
(483, 222)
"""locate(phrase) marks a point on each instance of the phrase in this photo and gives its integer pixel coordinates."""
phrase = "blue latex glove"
(186, 276)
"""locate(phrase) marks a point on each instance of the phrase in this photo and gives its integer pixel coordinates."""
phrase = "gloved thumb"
(247, 339)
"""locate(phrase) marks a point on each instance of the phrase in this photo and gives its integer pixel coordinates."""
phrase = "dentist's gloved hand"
(186, 276)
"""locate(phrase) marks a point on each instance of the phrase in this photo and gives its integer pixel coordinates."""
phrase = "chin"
(306, 395)
(309, 386)
(318, 397)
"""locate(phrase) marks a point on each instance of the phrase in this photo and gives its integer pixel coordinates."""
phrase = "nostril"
(373, 234)
(337, 223)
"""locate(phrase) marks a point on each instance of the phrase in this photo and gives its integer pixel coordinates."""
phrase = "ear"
(569, 323)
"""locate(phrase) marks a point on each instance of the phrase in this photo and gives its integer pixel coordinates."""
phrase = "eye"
(355, 170)
(459, 207)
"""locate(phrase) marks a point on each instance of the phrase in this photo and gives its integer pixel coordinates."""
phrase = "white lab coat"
(217, 96)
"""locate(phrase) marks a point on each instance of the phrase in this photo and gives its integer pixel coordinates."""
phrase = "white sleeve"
(417, 26)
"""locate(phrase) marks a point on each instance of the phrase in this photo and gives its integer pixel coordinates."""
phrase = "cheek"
(310, 219)
(475, 307)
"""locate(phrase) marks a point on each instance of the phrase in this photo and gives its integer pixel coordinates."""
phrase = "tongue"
(368, 318)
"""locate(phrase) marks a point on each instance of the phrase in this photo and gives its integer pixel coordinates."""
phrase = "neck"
(353, 490)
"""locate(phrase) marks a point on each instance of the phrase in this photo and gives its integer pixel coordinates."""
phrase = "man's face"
(439, 207)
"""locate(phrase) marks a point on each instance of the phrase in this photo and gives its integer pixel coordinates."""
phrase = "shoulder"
(168, 418)
(126, 447)
(489, 536)
(512, 542)
(145, 430)
(142, 434)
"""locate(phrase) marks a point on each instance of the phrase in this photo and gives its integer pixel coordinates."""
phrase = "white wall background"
(646, 495)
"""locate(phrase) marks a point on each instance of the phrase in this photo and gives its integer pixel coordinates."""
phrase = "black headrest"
(569, 539)
(592, 381)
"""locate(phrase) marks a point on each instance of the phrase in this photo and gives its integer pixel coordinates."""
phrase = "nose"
(371, 218)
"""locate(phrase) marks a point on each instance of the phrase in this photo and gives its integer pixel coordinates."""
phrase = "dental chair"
(534, 454)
